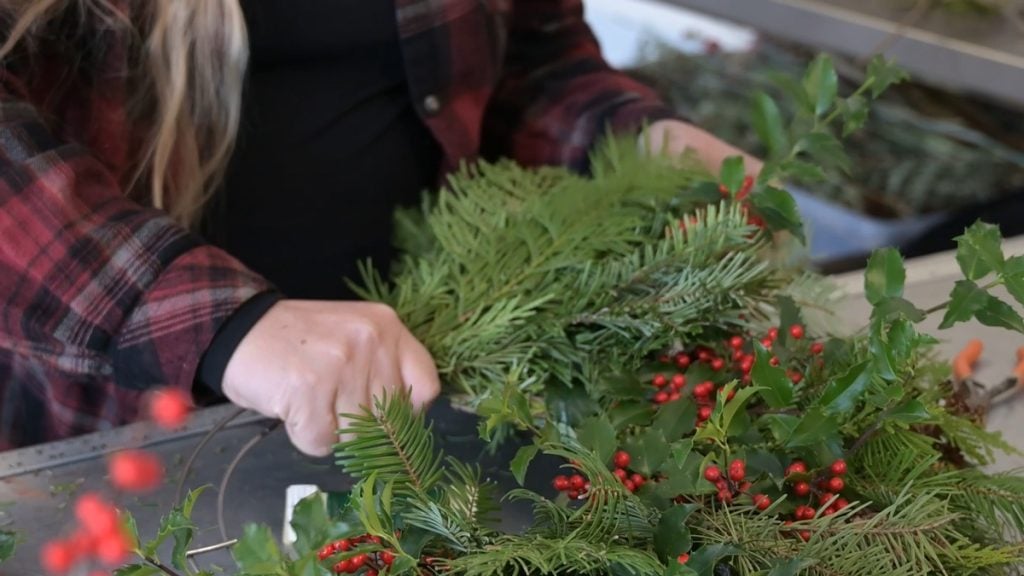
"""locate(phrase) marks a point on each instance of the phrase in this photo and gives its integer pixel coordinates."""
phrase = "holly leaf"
(791, 567)
(676, 418)
(734, 407)
(881, 353)
(310, 523)
(177, 524)
(307, 566)
(855, 114)
(648, 451)
(597, 434)
(1013, 277)
(814, 426)
(704, 559)
(821, 84)
(672, 536)
(883, 73)
(776, 387)
(732, 174)
(841, 395)
(979, 251)
(801, 171)
(885, 276)
(8, 542)
(780, 425)
(626, 414)
(826, 149)
(137, 570)
(912, 412)
(573, 404)
(256, 552)
(767, 120)
(999, 314)
(792, 89)
(964, 302)
(764, 461)
(681, 450)
(889, 309)
(521, 462)
(779, 211)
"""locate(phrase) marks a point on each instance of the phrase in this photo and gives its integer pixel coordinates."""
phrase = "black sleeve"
(215, 359)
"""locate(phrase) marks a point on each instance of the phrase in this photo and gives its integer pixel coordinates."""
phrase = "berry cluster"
(370, 562)
(633, 481)
(734, 483)
(829, 487)
(576, 487)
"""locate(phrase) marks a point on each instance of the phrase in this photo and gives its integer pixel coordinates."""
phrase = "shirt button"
(431, 104)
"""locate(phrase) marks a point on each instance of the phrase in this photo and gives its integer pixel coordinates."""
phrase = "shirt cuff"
(215, 360)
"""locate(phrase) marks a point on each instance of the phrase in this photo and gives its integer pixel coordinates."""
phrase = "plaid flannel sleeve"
(102, 298)
(557, 95)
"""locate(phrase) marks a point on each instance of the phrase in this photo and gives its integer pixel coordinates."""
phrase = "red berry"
(732, 394)
(817, 348)
(325, 553)
(577, 482)
(343, 566)
(136, 471)
(661, 397)
(683, 558)
(637, 480)
(113, 549)
(744, 486)
(664, 359)
(801, 489)
(767, 343)
(737, 470)
(717, 364)
(57, 556)
(629, 485)
(82, 543)
(371, 572)
(805, 535)
(387, 558)
(682, 360)
(839, 467)
(712, 473)
(574, 494)
(796, 331)
(621, 459)
(830, 510)
(704, 355)
(747, 364)
(804, 513)
(722, 484)
(620, 474)
(674, 396)
(738, 355)
(561, 483)
(748, 183)
(841, 503)
(796, 377)
(824, 497)
(797, 467)
(836, 484)
(359, 560)
(660, 380)
(774, 361)
(736, 342)
(375, 539)
(762, 502)
(169, 407)
(703, 413)
(773, 333)
(678, 381)
(724, 496)
(98, 517)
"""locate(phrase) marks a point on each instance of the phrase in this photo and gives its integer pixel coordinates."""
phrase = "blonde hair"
(189, 65)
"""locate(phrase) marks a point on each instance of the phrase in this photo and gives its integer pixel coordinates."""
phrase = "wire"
(231, 469)
(199, 447)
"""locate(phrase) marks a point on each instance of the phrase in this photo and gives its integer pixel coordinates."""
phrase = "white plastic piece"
(293, 495)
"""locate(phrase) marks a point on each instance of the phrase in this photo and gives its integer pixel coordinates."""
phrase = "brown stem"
(161, 567)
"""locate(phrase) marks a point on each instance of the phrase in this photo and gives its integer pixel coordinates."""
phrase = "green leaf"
(779, 211)
(256, 552)
(979, 251)
(912, 412)
(767, 121)
(964, 302)
(801, 171)
(776, 387)
(648, 451)
(137, 570)
(824, 148)
(681, 450)
(885, 276)
(733, 173)
(889, 309)
(8, 541)
(1013, 277)
(841, 395)
(999, 314)
(571, 405)
(676, 419)
(597, 434)
(626, 414)
(672, 536)
(402, 564)
(781, 426)
(883, 73)
(521, 462)
(734, 406)
(310, 523)
(791, 567)
(821, 84)
(177, 524)
(792, 89)
(704, 559)
(764, 461)
(855, 114)
(308, 566)
(883, 361)
(814, 426)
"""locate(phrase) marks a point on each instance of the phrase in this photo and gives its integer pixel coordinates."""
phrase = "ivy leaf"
(999, 314)
(779, 211)
(704, 559)
(672, 536)
(675, 419)
(732, 173)
(1013, 277)
(841, 395)
(883, 73)
(964, 302)
(791, 567)
(855, 114)
(814, 426)
(256, 552)
(137, 570)
(521, 462)
(826, 149)
(885, 276)
(979, 251)
(767, 121)
(597, 434)
(821, 84)
(8, 541)
(912, 412)
(776, 387)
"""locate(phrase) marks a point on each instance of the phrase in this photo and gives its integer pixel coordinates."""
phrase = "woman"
(140, 248)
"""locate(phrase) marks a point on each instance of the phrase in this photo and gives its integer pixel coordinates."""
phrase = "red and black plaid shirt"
(104, 298)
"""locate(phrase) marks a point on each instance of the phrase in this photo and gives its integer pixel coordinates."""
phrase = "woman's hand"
(673, 137)
(305, 362)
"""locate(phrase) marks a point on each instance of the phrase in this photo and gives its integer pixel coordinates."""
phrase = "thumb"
(419, 373)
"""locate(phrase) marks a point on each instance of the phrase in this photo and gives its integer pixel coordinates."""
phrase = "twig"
(231, 469)
(199, 447)
(916, 14)
(997, 390)
(161, 567)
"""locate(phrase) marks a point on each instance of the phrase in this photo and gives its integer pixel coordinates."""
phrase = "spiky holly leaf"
(821, 83)
(597, 434)
(177, 524)
(911, 412)
(521, 462)
(885, 276)
(883, 73)
(777, 388)
(842, 394)
(779, 211)
(672, 536)
(979, 251)
(704, 560)
(256, 552)
(999, 314)
(964, 302)
(825, 149)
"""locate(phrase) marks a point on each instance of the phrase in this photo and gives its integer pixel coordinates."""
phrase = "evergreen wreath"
(649, 326)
